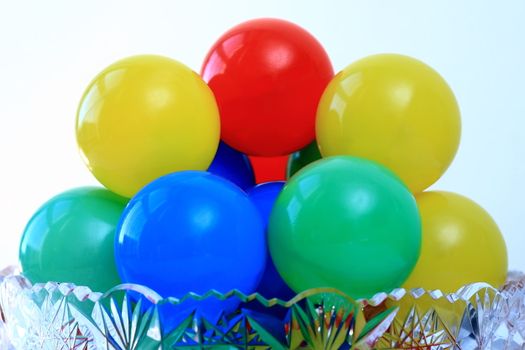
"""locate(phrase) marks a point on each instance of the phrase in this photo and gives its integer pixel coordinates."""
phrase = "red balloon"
(267, 76)
(268, 169)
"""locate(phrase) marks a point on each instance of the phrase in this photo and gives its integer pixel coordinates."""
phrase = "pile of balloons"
(180, 154)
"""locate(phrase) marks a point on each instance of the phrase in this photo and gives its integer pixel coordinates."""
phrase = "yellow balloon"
(461, 244)
(144, 117)
(395, 110)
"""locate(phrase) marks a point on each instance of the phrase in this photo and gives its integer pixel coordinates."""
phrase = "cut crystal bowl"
(65, 316)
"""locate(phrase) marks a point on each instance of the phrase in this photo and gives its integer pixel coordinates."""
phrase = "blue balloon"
(272, 285)
(192, 231)
(234, 166)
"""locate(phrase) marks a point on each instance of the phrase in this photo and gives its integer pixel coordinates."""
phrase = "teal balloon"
(345, 223)
(301, 158)
(71, 239)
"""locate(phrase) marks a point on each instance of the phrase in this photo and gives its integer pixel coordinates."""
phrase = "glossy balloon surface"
(395, 110)
(192, 231)
(234, 166)
(267, 76)
(302, 158)
(143, 117)
(269, 169)
(461, 244)
(71, 239)
(345, 223)
(272, 285)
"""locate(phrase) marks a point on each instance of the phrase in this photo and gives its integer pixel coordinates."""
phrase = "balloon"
(461, 244)
(192, 231)
(267, 76)
(234, 166)
(302, 158)
(346, 223)
(269, 169)
(144, 117)
(70, 239)
(395, 110)
(271, 285)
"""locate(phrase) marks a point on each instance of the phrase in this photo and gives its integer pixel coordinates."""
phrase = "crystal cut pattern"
(64, 316)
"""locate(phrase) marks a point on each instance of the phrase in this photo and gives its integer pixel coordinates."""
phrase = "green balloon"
(345, 223)
(302, 158)
(71, 239)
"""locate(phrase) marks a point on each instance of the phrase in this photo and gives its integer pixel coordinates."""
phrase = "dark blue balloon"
(234, 166)
(192, 231)
(271, 285)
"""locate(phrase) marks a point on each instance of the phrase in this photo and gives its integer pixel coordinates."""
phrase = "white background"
(50, 50)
